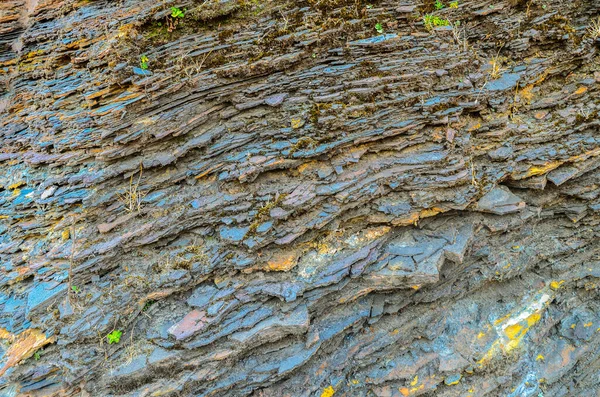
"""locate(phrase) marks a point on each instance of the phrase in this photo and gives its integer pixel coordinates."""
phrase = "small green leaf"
(75, 289)
(176, 12)
(114, 337)
(144, 62)
(37, 356)
(379, 28)
(438, 5)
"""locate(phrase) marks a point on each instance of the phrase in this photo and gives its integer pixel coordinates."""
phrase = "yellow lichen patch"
(480, 335)
(586, 325)
(354, 381)
(4, 334)
(16, 192)
(535, 170)
(539, 358)
(23, 346)
(16, 185)
(556, 284)
(65, 234)
(297, 123)
(512, 328)
(328, 392)
(513, 331)
(415, 380)
(454, 382)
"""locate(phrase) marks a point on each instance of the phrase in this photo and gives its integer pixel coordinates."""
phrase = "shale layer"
(299, 198)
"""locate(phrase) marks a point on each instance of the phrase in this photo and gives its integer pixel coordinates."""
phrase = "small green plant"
(453, 4)
(114, 337)
(148, 304)
(432, 21)
(438, 5)
(75, 289)
(379, 28)
(176, 12)
(37, 355)
(144, 62)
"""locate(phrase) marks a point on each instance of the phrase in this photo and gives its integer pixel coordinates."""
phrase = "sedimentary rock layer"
(299, 198)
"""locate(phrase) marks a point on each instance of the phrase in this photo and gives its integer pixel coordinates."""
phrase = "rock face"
(299, 198)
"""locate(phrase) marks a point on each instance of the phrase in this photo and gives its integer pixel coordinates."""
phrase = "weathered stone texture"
(299, 198)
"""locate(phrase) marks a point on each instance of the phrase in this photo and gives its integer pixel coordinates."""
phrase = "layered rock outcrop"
(299, 198)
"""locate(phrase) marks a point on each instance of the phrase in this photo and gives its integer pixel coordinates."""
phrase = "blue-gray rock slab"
(42, 293)
(500, 201)
(507, 81)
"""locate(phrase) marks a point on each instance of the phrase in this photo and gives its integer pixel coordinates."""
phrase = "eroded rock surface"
(303, 198)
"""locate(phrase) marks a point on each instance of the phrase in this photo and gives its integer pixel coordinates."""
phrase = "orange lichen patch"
(405, 391)
(584, 156)
(283, 263)
(23, 346)
(208, 171)
(474, 127)
(303, 167)
(426, 213)
(328, 392)
(100, 93)
(526, 93)
(413, 218)
(580, 91)
(539, 170)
